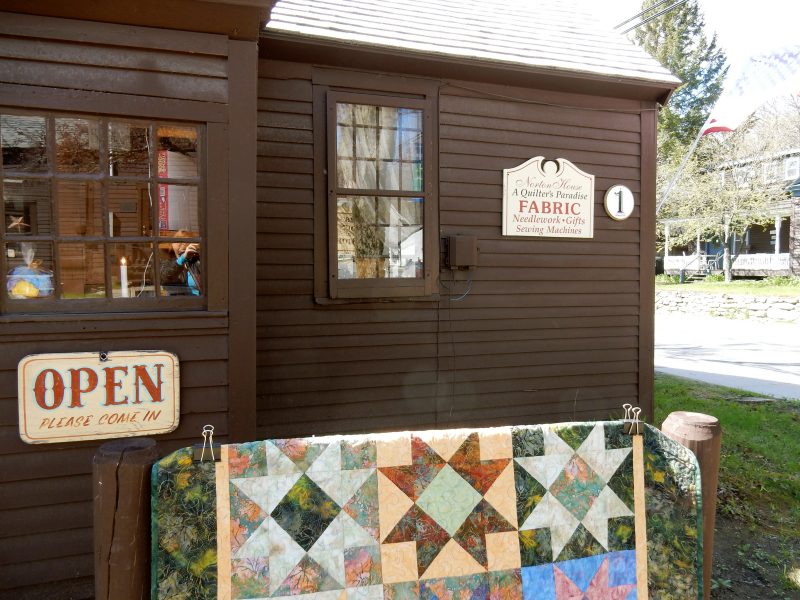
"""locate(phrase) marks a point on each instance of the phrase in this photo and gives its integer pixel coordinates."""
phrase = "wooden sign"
(97, 395)
(548, 198)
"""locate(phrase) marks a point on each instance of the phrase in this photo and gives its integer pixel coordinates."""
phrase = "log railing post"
(121, 483)
(702, 434)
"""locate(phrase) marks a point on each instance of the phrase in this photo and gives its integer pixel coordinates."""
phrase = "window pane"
(24, 143)
(77, 145)
(80, 208)
(410, 211)
(81, 267)
(365, 174)
(411, 145)
(345, 141)
(379, 147)
(345, 173)
(411, 173)
(410, 118)
(366, 143)
(178, 209)
(55, 184)
(389, 175)
(379, 237)
(127, 150)
(129, 210)
(30, 270)
(181, 268)
(344, 114)
(791, 167)
(132, 270)
(177, 152)
(388, 144)
(388, 116)
(365, 115)
(27, 207)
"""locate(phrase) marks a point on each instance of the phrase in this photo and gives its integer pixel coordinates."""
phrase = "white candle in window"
(123, 278)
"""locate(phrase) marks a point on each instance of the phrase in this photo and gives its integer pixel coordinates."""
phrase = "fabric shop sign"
(548, 198)
(97, 395)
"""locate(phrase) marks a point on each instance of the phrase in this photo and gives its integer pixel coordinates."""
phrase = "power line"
(646, 10)
(651, 18)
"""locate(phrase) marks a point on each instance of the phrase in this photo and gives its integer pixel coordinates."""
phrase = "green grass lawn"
(760, 462)
(770, 286)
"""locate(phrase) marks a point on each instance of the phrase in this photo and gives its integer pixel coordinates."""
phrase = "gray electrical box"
(462, 251)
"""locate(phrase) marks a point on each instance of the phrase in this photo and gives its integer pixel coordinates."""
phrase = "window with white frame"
(771, 171)
(791, 167)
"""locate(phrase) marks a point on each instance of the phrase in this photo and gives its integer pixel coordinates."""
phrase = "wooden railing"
(689, 262)
(707, 263)
(762, 262)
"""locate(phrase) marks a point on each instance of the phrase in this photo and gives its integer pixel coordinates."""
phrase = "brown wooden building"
(335, 166)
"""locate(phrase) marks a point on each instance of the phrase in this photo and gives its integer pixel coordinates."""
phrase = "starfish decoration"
(18, 224)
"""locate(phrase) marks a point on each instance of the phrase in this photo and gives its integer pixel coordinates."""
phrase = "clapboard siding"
(39, 492)
(380, 399)
(45, 28)
(28, 547)
(77, 66)
(550, 327)
(341, 334)
(523, 110)
(63, 568)
(312, 376)
(540, 127)
(60, 517)
(121, 58)
(94, 60)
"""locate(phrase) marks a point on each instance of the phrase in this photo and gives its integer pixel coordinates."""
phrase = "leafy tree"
(780, 120)
(679, 42)
(723, 189)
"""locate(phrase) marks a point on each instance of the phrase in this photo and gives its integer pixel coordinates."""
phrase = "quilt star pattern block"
(564, 497)
(602, 577)
(303, 519)
(510, 513)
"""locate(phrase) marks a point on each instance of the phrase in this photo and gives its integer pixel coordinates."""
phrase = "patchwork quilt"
(544, 512)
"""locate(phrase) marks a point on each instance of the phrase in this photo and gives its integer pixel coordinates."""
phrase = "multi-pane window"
(791, 167)
(771, 172)
(378, 195)
(102, 210)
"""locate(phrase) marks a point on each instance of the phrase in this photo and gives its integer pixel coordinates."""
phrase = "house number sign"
(619, 202)
(97, 395)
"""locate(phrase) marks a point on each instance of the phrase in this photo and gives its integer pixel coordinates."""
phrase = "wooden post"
(702, 434)
(121, 471)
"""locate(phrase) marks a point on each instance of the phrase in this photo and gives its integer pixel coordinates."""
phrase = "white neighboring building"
(764, 250)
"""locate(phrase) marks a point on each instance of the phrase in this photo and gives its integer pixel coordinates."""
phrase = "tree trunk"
(727, 264)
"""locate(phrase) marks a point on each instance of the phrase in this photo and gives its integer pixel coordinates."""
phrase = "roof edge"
(291, 43)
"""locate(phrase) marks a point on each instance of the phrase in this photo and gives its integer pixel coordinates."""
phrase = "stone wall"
(734, 306)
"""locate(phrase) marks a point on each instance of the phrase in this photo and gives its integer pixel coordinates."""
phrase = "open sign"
(97, 395)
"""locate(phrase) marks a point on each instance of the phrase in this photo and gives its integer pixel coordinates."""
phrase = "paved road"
(754, 356)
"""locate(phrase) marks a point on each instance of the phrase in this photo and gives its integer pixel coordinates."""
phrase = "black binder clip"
(208, 450)
(632, 425)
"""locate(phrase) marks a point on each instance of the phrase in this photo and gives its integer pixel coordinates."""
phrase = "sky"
(743, 29)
